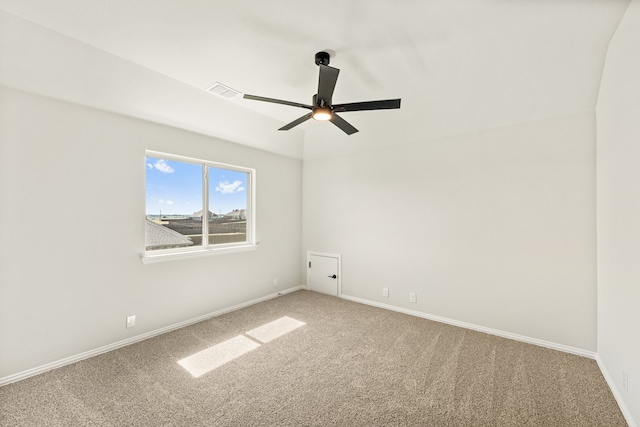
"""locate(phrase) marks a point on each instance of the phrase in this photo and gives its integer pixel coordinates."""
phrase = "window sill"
(150, 258)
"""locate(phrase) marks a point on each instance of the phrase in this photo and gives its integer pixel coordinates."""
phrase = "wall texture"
(72, 204)
(618, 172)
(495, 228)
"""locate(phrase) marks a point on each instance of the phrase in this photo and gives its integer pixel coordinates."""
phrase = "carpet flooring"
(308, 359)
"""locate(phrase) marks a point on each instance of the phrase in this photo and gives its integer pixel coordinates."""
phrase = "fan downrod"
(322, 58)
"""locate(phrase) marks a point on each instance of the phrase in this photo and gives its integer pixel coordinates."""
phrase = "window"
(196, 207)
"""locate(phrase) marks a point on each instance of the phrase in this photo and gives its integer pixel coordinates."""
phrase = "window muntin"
(196, 205)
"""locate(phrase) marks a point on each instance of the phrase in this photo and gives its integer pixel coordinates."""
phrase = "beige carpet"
(348, 365)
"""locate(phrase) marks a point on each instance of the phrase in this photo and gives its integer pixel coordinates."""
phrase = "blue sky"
(176, 188)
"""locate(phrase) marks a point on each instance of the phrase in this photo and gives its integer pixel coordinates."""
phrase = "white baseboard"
(87, 354)
(497, 332)
(616, 393)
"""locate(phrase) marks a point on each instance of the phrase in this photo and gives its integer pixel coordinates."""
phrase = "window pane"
(228, 206)
(174, 204)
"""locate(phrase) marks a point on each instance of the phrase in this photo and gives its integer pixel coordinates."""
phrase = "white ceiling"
(458, 65)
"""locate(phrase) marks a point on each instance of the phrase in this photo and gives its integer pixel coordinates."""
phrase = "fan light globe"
(322, 114)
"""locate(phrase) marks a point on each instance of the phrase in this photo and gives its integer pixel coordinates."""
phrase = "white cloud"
(169, 202)
(163, 167)
(160, 201)
(150, 165)
(226, 188)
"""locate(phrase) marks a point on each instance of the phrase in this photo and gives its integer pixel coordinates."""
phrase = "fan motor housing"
(320, 102)
(322, 58)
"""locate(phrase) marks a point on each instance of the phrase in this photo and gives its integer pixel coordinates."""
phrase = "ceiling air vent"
(222, 90)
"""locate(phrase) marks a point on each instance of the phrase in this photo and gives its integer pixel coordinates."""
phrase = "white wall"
(618, 212)
(495, 228)
(72, 203)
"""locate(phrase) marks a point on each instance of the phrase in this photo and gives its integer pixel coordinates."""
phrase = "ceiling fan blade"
(277, 101)
(327, 82)
(387, 104)
(296, 122)
(343, 124)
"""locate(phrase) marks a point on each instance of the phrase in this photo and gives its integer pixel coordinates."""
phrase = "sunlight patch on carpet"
(277, 328)
(211, 358)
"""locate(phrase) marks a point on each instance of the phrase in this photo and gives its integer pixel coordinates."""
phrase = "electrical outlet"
(625, 381)
(413, 297)
(385, 292)
(131, 321)
(275, 283)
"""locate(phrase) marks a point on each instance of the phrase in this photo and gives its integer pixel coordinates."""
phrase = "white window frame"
(250, 244)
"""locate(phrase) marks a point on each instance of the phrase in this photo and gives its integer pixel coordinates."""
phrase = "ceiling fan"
(322, 107)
